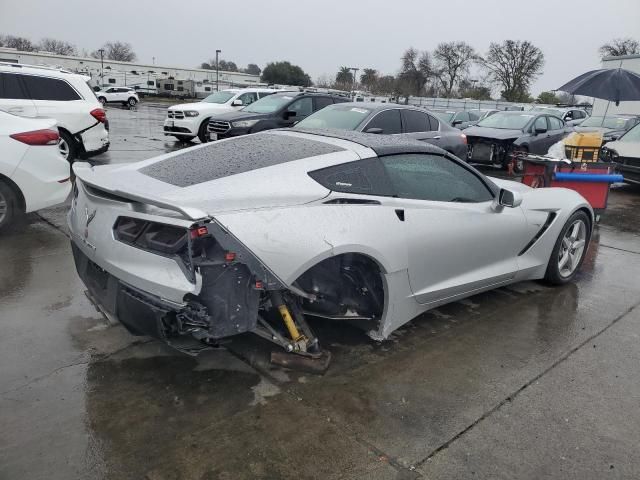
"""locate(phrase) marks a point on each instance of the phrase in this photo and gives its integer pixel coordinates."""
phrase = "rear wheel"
(102, 100)
(569, 250)
(183, 138)
(67, 147)
(8, 205)
(132, 102)
(203, 133)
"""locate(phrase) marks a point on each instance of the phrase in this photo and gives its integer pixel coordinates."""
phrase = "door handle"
(437, 137)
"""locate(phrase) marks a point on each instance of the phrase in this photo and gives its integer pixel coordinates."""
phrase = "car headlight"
(245, 123)
(191, 113)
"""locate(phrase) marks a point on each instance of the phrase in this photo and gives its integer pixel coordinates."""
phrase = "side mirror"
(539, 130)
(509, 198)
(373, 130)
(237, 103)
(288, 114)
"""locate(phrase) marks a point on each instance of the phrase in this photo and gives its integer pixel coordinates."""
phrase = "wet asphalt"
(523, 382)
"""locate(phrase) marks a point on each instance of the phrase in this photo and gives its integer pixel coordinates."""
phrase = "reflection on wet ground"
(521, 382)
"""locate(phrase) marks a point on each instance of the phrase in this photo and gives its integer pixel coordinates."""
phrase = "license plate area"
(213, 137)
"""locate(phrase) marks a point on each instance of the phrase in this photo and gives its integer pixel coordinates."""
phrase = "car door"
(417, 125)
(387, 122)
(248, 98)
(456, 242)
(557, 130)
(14, 97)
(297, 110)
(539, 142)
(320, 102)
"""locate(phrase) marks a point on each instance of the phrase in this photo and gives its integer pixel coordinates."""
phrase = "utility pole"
(101, 67)
(217, 71)
(353, 83)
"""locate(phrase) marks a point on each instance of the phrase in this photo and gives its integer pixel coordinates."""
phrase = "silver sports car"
(256, 233)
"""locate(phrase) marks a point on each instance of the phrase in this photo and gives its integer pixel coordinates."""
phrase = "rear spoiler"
(81, 169)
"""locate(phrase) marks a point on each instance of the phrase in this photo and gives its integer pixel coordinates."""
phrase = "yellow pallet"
(583, 147)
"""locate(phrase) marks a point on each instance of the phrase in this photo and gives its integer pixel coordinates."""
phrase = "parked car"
(612, 127)
(218, 239)
(389, 119)
(494, 139)
(458, 118)
(625, 152)
(33, 174)
(484, 113)
(31, 91)
(570, 116)
(123, 95)
(276, 111)
(190, 120)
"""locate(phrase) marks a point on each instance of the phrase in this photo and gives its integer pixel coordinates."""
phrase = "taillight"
(464, 138)
(99, 114)
(38, 137)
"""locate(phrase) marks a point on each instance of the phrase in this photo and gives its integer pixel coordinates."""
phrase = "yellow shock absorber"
(288, 321)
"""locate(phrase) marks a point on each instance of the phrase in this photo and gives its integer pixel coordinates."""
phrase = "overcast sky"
(322, 35)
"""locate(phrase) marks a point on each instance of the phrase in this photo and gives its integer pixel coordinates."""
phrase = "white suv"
(123, 95)
(31, 91)
(190, 120)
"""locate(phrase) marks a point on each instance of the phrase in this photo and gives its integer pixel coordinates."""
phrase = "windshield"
(219, 97)
(340, 117)
(268, 104)
(507, 121)
(445, 116)
(615, 123)
(632, 135)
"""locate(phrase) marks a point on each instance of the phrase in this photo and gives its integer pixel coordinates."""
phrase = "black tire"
(553, 274)
(203, 133)
(9, 205)
(71, 148)
(102, 100)
(132, 102)
(182, 138)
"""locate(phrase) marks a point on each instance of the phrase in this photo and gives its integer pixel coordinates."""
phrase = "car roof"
(376, 107)
(381, 144)
(39, 70)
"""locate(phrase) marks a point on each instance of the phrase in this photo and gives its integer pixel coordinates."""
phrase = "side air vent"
(351, 201)
(550, 218)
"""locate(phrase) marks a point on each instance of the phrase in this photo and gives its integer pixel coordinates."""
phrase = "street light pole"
(101, 67)
(217, 71)
(355, 74)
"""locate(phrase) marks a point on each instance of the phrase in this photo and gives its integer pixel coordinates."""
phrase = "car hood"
(240, 115)
(202, 107)
(625, 149)
(494, 133)
(511, 185)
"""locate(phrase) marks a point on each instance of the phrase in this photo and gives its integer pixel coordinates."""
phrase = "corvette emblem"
(88, 219)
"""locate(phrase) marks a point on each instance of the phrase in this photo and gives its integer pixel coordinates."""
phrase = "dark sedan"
(495, 139)
(408, 121)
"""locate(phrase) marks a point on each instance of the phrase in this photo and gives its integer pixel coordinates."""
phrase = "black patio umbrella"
(613, 84)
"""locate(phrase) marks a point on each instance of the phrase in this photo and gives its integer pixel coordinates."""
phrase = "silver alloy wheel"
(3, 207)
(572, 248)
(132, 102)
(63, 147)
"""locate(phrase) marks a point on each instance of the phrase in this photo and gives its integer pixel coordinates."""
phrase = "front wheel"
(102, 100)
(569, 250)
(132, 102)
(203, 133)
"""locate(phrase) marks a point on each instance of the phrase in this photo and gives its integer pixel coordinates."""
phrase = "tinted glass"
(43, 88)
(302, 107)
(632, 135)
(388, 121)
(462, 117)
(269, 104)
(555, 123)
(363, 176)
(434, 123)
(322, 102)
(616, 123)
(10, 86)
(415, 121)
(248, 98)
(445, 116)
(265, 94)
(507, 121)
(336, 116)
(474, 116)
(433, 177)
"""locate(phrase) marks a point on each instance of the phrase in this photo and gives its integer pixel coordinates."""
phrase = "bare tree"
(452, 62)
(19, 43)
(385, 85)
(620, 46)
(120, 51)
(324, 81)
(58, 47)
(514, 65)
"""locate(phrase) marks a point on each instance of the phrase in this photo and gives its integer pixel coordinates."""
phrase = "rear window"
(239, 155)
(45, 88)
(10, 87)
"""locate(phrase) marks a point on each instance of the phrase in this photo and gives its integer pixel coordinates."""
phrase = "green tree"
(344, 78)
(284, 73)
(548, 98)
(369, 78)
(416, 70)
(385, 85)
(513, 65)
(620, 46)
(253, 69)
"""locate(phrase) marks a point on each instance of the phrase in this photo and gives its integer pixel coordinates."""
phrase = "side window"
(264, 94)
(433, 177)
(473, 116)
(322, 102)
(541, 122)
(365, 177)
(248, 98)
(434, 125)
(44, 88)
(388, 121)
(10, 87)
(415, 121)
(555, 123)
(302, 107)
(462, 117)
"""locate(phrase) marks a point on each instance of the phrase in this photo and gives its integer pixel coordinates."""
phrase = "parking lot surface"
(522, 382)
